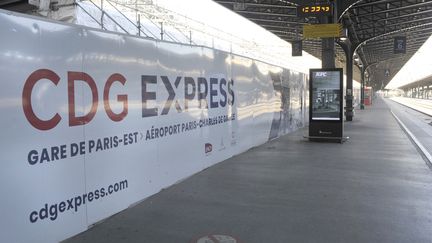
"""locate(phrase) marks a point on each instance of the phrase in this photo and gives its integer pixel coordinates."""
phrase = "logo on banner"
(208, 148)
(321, 74)
(207, 92)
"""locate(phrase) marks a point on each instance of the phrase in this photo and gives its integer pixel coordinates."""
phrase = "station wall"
(94, 121)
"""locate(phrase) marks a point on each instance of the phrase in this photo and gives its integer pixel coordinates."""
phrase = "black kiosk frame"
(326, 104)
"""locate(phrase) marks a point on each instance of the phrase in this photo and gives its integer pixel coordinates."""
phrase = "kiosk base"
(327, 139)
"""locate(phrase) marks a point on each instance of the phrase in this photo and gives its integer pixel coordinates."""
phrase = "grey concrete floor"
(418, 123)
(373, 188)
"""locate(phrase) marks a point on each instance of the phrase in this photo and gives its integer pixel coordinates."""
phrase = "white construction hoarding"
(95, 121)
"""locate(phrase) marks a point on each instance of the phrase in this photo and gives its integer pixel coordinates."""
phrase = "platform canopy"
(372, 26)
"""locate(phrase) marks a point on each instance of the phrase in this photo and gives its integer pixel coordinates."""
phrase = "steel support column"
(328, 53)
(362, 88)
(349, 53)
(349, 84)
(327, 48)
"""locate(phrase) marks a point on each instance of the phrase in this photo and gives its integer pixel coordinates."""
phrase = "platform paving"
(419, 123)
(374, 188)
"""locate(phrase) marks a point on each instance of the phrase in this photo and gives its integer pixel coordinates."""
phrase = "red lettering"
(73, 119)
(120, 98)
(26, 99)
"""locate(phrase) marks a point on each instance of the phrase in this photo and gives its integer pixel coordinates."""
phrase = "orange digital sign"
(314, 10)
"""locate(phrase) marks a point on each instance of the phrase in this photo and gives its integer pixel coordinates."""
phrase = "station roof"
(425, 82)
(371, 24)
(16, 5)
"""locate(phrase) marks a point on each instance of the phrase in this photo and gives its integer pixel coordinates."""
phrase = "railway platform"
(376, 187)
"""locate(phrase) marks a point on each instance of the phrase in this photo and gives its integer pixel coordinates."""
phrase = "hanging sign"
(399, 45)
(322, 30)
(297, 48)
(314, 10)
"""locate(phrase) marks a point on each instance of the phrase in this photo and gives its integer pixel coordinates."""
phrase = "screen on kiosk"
(326, 95)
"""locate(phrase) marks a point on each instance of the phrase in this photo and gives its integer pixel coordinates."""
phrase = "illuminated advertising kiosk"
(326, 104)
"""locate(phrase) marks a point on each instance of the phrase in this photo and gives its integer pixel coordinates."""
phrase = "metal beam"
(374, 3)
(267, 14)
(275, 21)
(379, 46)
(269, 27)
(264, 5)
(400, 23)
(395, 9)
(371, 22)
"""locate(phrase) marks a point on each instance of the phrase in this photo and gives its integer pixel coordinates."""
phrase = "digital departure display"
(326, 95)
(314, 10)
